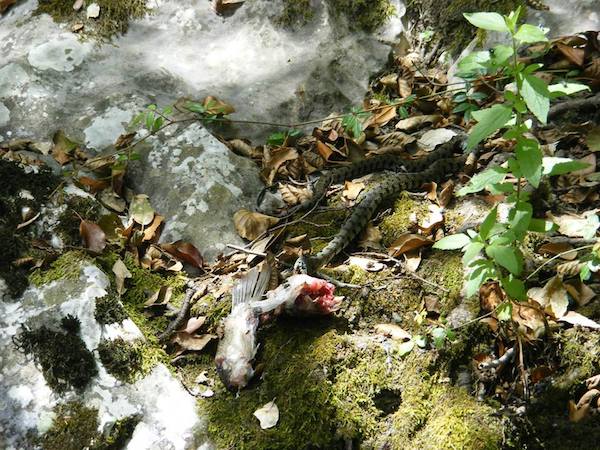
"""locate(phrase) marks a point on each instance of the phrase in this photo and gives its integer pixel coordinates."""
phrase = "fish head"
(235, 374)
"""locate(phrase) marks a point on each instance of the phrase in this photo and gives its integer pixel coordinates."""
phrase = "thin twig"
(246, 250)
(556, 257)
(181, 316)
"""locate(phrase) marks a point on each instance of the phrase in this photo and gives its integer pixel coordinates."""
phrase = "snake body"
(391, 186)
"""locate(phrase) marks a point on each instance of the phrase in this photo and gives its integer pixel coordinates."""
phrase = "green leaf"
(473, 64)
(195, 107)
(481, 180)
(488, 223)
(168, 110)
(528, 34)
(500, 54)
(420, 340)
(487, 21)
(453, 242)
(506, 256)
(560, 89)
(471, 251)
(559, 166)
(406, 347)
(483, 270)
(158, 122)
(439, 337)
(149, 120)
(585, 272)
(514, 287)
(541, 226)
(529, 156)
(520, 217)
(489, 121)
(138, 119)
(276, 139)
(504, 311)
(536, 95)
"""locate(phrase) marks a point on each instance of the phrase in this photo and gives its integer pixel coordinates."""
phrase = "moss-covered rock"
(109, 310)
(65, 360)
(366, 15)
(76, 208)
(401, 219)
(122, 359)
(113, 19)
(65, 267)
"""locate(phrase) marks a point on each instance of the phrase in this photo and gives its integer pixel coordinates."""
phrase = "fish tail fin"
(251, 287)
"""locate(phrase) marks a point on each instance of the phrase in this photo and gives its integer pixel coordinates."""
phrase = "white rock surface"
(169, 417)
(4, 115)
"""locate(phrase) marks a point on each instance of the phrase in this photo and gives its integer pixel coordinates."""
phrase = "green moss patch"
(320, 227)
(113, 19)
(77, 208)
(66, 267)
(109, 310)
(366, 15)
(75, 427)
(122, 359)
(65, 360)
(400, 220)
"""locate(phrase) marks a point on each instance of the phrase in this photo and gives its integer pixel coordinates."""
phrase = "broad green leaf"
(149, 120)
(500, 54)
(277, 138)
(481, 180)
(506, 256)
(487, 21)
(514, 287)
(529, 156)
(406, 347)
(489, 121)
(471, 251)
(560, 89)
(528, 34)
(559, 166)
(585, 272)
(488, 223)
(504, 311)
(439, 337)
(541, 226)
(473, 64)
(536, 95)
(512, 18)
(453, 242)
(168, 110)
(195, 107)
(520, 217)
(483, 270)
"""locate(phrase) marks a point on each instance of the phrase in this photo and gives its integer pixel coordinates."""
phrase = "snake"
(433, 167)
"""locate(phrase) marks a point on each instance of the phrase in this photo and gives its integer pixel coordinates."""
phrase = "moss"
(77, 208)
(444, 269)
(65, 360)
(122, 359)
(366, 15)
(75, 427)
(114, 15)
(109, 310)
(213, 309)
(446, 19)
(66, 267)
(579, 356)
(15, 243)
(320, 227)
(399, 221)
(295, 14)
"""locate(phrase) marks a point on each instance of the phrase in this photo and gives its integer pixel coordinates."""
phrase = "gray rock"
(197, 183)
(169, 417)
(4, 114)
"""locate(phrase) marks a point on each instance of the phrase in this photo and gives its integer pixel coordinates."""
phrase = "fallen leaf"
(412, 260)
(392, 331)
(93, 237)
(212, 105)
(370, 238)
(370, 265)
(432, 138)
(93, 184)
(415, 122)
(77, 5)
(64, 148)
(572, 225)
(394, 139)
(556, 248)
(140, 209)
(325, 150)
(433, 221)
(404, 88)
(190, 342)
(574, 55)
(490, 296)
(294, 195)
(151, 233)
(124, 140)
(529, 317)
(581, 292)
(226, 7)
(93, 11)
(574, 318)
(268, 415)
(570, 268)
(77, 27)
(591, 161)
(578, 414)
(389, 80)
(251, 225)
(161, 297)
(408, 242)
(275, 159)
(112, 201)
(445, 195)
(184, 251)
(539, 373)
(382, 116)
(121, 273)
(352, 189)
(194, 324)
(552, 297)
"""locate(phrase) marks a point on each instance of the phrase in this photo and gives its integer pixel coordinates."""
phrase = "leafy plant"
(466, 101)
(282, 138)
(152, 118)
(353, 122)
(494, 252)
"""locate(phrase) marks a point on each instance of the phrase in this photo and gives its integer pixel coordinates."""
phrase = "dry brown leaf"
(408, 242)
(415, 122)
(382, 116)
(539, 373)
(578, 414)
(591, 161)
(64, 148)
(433, 221)
(490, 296)
(570, 268)
(412, 260)
(93, 184)
(404, 88)
(294, 195)
(370, 238)
(93, 237)
(445, 195)
(325, 150)
(574, 55)
(552, 297)
(212, 104)
(581, 292)
(4, 4)
(161, 297)
(368, 264)
(186, 252)
(251, 225)
(556, 248)
(125, 140)
(352, 189)
(194, 324)
(389, 80)
(151, 233)
(574, 318)
(190, 342)
(226, 7)
(394, 139)
(268, 415)
(392, 331)
(121, 273)
(573, 225)
(431, 189)
(276, 158)
(529, 317)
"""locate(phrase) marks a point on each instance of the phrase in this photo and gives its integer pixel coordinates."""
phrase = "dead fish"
(300, 295)
(237, 348)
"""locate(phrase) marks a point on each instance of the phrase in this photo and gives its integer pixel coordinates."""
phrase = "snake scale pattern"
(434, 167)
